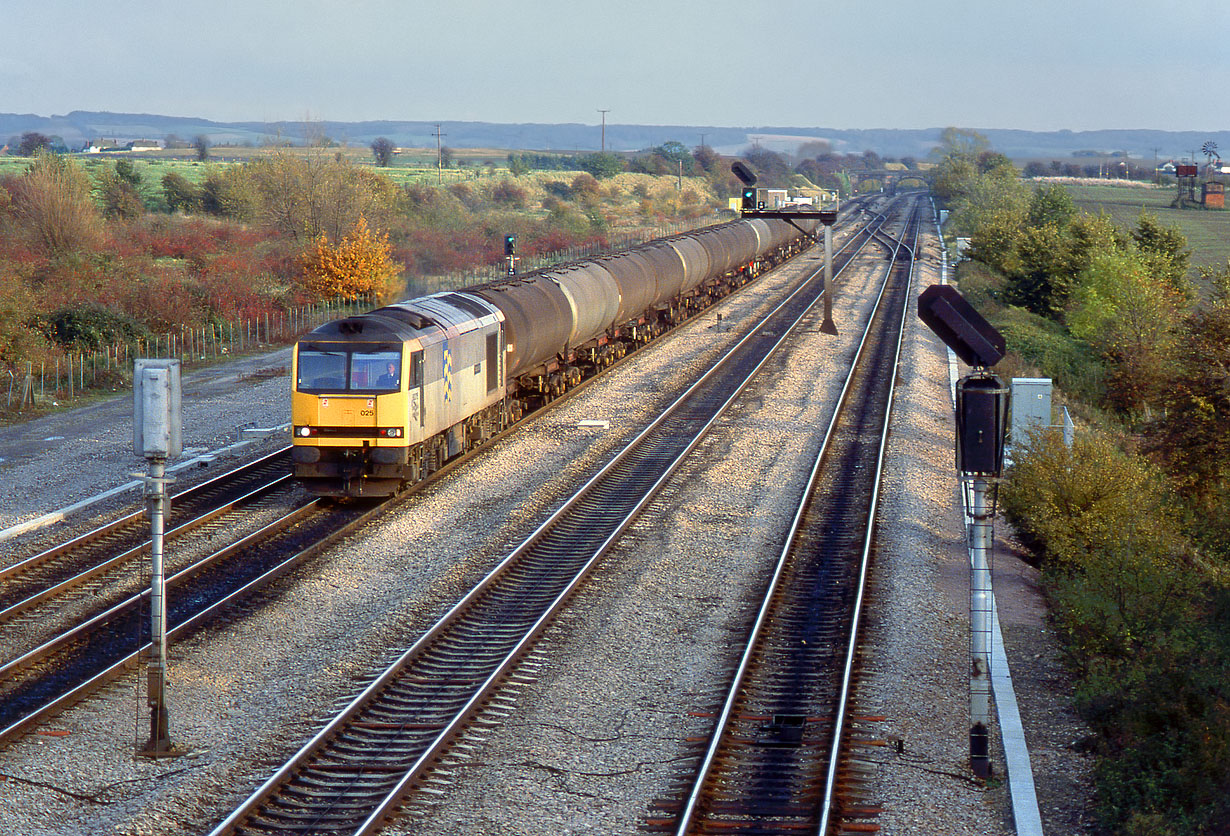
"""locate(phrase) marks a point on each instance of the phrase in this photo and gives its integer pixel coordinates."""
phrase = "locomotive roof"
(449, 312)
(368, 327)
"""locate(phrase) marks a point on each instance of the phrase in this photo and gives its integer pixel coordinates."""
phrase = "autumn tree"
(127, 171)
(956, 160)
(228, 193)
(52, 207)
(1190, 436)
(508, 193)
(771, 168)
(305, 197)
(32, 142)
(1120, 309)
(17, 300)
(383, 150)
(359, 264)
(182, 195)
(813, 149)
(601, 165)
(706, 157)
(200, 144)
(117, 196)
(1051, 205)
(1164, 249)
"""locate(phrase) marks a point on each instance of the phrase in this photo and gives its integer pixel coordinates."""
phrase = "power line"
(439, 164)
(604, 113)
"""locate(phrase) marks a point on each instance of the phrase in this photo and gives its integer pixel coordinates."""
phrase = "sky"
(1040, 65)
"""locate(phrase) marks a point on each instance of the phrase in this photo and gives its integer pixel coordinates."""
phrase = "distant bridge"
(890, 178)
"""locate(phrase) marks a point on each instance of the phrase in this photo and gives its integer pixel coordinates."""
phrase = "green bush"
(1144, 626)
(1047, 345)
(88, 327)
(981, 286)
(1162, 713)
(1074, 504)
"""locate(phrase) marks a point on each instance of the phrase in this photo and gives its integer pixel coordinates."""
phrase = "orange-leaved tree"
(359, 264)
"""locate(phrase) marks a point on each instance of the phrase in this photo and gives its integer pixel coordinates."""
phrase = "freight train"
(383, 399)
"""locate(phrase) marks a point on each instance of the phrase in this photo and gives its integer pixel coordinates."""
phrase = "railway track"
(103, 554)
(56, 668)
(778, 759)
(387, 741)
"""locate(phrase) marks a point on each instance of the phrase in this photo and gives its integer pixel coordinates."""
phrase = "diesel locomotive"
(383, 399)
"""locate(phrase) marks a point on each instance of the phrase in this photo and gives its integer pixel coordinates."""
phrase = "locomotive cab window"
(325, 369)
(375, 370)
(321, 370)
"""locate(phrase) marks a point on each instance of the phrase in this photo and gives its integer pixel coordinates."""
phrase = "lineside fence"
(45, 383)
(421, 285)
(73, 374)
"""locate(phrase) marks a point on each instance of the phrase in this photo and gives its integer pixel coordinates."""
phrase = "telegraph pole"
(604, 113)
(439, 164)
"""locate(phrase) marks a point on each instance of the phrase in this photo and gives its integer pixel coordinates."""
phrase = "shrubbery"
(1145, 627)
(89, 327)
(1072, 504)
(89, 252)
(358, 265)
(1134, 550)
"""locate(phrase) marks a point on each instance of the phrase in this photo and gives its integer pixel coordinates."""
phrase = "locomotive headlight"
(393, 432)
(303, 432)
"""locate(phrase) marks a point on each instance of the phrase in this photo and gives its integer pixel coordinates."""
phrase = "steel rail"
(123, 557)
(510, 564)
(65, 639)
(864, 564)
(688, 814)
(136, 516)
(82, 689)
(209, 612)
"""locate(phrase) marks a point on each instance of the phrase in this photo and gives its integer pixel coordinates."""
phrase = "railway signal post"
(981, 411)
(510, 254)
(157, 436)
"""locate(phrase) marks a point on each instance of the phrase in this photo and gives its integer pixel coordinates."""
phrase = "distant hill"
(78, 127)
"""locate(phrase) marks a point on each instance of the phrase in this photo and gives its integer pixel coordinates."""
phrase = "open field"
(412, 165)
(1207, 231)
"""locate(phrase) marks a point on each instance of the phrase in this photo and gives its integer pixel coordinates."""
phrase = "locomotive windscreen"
(324, 368)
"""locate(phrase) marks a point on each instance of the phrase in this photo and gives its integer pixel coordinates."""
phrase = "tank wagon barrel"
(382, 399)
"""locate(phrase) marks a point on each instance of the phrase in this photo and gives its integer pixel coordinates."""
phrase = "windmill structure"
(1209, 149)
(1213, 193)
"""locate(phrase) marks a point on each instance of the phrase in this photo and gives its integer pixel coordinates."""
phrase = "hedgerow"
(1135, 557)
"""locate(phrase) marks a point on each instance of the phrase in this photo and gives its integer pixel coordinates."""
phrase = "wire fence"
(65, 377)
(420, 285)
(48, 382)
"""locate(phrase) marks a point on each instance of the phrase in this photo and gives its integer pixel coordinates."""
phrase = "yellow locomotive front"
(355, 381)
(383, 399)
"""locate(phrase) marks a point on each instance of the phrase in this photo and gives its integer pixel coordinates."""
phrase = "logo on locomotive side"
(448, 374)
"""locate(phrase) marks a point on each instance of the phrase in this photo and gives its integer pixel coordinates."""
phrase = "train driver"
(388, 380)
